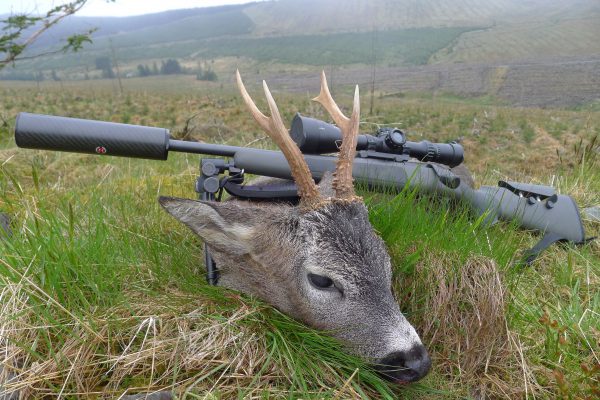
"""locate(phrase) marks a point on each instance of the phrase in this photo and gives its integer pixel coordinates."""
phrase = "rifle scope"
(314, 136)
(46, 132)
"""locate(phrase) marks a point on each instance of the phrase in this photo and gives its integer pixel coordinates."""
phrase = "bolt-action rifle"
(385, 160)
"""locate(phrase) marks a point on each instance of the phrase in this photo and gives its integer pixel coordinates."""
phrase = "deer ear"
(226, 227)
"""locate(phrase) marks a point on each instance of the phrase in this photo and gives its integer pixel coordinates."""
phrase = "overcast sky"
(118, 8)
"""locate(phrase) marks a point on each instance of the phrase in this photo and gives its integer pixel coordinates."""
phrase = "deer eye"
(320, 282)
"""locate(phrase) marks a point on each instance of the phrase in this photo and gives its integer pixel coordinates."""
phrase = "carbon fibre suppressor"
(45, 132)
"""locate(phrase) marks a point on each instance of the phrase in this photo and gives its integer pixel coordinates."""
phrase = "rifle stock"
(533, 207)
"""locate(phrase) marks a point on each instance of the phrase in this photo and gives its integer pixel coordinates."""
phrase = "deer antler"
(274, 127)
(342, 184)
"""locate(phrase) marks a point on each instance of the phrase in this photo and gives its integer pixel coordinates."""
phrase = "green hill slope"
(287, 17)
(559, 37)
(515, 29)
(409, 46)
(226, 23)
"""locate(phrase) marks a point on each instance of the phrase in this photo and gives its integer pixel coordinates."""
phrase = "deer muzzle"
(405, 366)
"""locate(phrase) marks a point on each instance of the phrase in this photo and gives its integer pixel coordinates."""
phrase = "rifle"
(385, 160)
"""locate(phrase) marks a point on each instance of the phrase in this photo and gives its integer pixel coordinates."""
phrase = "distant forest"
(108, 70)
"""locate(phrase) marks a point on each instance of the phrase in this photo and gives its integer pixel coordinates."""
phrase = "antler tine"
(329, 104)
(344, 189)
(274, 127)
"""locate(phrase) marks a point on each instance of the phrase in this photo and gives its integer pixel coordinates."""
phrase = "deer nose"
(405, 366)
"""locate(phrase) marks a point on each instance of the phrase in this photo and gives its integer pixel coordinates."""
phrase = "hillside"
(123, 26)
(560, 36)
(358, 35)
(316, 16)
(537, 27)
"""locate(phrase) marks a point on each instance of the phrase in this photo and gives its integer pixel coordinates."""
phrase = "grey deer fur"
(273, 251)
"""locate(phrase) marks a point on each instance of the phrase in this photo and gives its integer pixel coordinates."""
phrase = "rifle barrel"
(203, 148)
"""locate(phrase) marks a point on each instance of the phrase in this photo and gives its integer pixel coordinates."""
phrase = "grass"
(103, 294)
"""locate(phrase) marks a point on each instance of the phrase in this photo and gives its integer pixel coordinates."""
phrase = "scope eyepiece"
(318, 137)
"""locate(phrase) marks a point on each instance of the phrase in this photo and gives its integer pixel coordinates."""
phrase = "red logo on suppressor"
(101, 150)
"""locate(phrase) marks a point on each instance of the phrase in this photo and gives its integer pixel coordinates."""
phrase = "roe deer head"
(321, 261)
